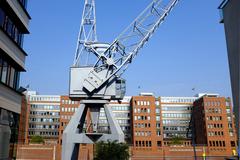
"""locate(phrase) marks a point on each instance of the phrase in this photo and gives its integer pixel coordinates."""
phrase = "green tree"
(111, 151)
(36, 139)
(177, 140)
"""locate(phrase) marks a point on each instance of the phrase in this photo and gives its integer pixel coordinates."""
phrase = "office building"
(230, 13)
(14, 20)
(43, 117)
(161, 127)
(214, 125)
(176, 115)
(154, 127)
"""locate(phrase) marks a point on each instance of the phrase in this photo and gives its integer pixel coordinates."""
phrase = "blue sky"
(188, 50)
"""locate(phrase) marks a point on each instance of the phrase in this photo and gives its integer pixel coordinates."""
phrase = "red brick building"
(158, 122)
(214, 125)
(153, 125)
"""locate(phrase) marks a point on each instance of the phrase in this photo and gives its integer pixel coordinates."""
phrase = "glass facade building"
(44, 117)
(14, 20)
(176, 115)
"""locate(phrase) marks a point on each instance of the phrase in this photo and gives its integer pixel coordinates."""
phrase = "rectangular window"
(16, 80)
(2, 17)
(4, 72)
(11, 79)
(1, 63)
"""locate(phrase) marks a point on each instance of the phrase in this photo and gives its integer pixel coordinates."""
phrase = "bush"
(37, 139)
(111, 151)
(177, 140)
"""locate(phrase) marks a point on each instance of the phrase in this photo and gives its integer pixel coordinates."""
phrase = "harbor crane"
(95, 77)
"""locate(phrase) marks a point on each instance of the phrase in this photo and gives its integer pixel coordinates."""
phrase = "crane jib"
(129, 43)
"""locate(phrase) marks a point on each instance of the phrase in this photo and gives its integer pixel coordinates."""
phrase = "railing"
(23, 3)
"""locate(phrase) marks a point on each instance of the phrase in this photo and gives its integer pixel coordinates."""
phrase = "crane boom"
(116, 58)
(87, 33)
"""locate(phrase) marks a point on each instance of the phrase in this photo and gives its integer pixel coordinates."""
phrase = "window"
(11, 80)
(159, 143)
(8, 74)
(4, 72)
(157, 110)
(2, 17)
(157, 118)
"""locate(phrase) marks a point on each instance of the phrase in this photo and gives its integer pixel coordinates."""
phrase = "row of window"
(214, 118)
(213, 110)
(215, 133)
(143, 133)
(141, 110)
(176, 115)
(65, 101)
(44, 113)
(176, 122)
(171, 135)
(45, 98)
(8, 74)
(44, 119)
(142, 118)
(66, 117)
(212, 103)
(120, 108)
(217, 143)
(215, 125)
(175, 128)
(143, 143)
(180, 108)
(177, 100)
(34, 126)
(142, 103)
(12, 30)
(121, 115)
(120, 121)
(45, 107)
(69, 109)
(142, 125)
(43, 133)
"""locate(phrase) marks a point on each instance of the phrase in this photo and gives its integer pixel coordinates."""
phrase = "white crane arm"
(115, 60)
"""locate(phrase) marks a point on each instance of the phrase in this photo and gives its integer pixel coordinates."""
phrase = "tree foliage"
(177, 140)
(111, 151)
(37, 139)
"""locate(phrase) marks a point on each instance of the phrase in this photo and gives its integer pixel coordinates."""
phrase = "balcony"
(23, 3)
(9, 47)
(9, 99)
(20, 11)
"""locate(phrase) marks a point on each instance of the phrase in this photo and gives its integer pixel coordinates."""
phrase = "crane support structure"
(95, 77)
